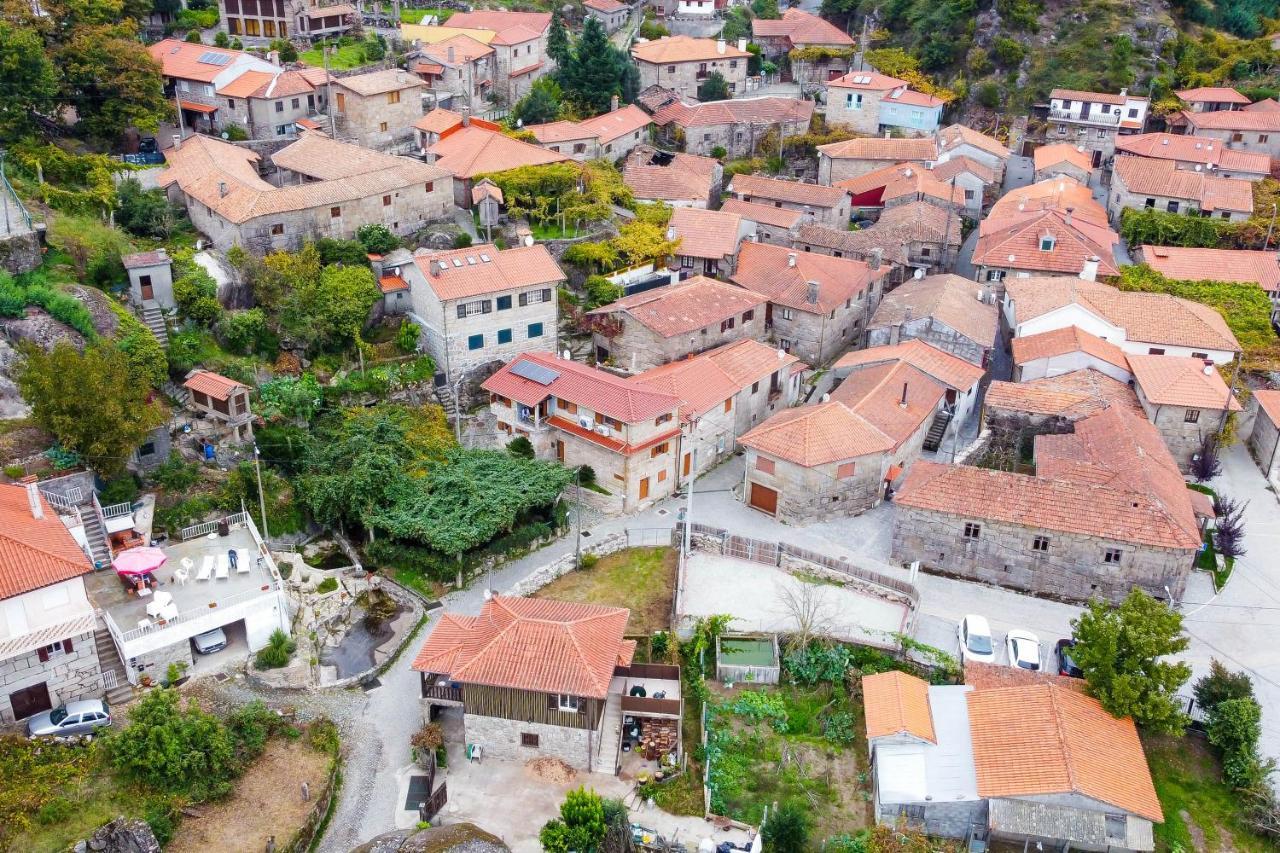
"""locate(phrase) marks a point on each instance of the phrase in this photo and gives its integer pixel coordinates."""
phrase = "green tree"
(581, 825)
(787, 830)
(221, 39)
(145, 213)
(1124, 653)
(1234, 727)
(110, 80)
(193, 37)
(377, 239)
(196, 294)
(329, 311)
(334, 251)
(174, 748)
(90, 401)
(714, 88)
(540, 105)
(520, 446)
(1221, 684)
(558, 38)
(283, 273)
(28, 81)
(288, 53)
(594, 71)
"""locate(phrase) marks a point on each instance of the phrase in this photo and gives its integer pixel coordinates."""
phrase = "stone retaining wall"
(539, 578)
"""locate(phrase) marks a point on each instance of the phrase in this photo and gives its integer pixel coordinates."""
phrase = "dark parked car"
(1066, 664)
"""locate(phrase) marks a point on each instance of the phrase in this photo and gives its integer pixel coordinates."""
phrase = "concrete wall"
(70, 676)
(639, 348)
(806, 495)
(683, 76)
(161, 276)
(933, 332)
(1071, 570)
(946, 820)
(500, 739)
(1066, 363)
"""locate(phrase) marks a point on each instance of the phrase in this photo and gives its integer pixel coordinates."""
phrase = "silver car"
(73, 718)
(210, 641)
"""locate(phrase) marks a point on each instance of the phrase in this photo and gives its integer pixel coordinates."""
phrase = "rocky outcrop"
(458, 838)
(121, 836)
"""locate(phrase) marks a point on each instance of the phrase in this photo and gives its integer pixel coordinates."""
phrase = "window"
(788, 314)
(504, 303)
(279, 106)
(470, 309)
(755, 386)
(382, 126)
(54, 650)
(686, 261)
(764, 466)
(728, 405)
(671, 69)
(733, 63)
(748, 316)
(1111, 555)
(1040, 543)
(386, 201)
(662, 419)
(995, 275)
(1046, 242)
(1262, 137)
(853, 101)
(845, 470)
(335, 212)
(529, 739)
(1200, 355)
(579, 148)
(533, 297)
(231, 104)
(1191, 416)
(295, 103)
(968, 195)
(284, 129)
(430, 186)
(659, 449)
(1155, 351)
(567, 407)
(706, 137)
(726, 325)
(147, 449)
(475, 342)
(1062, 129)
(535, 330)
(925, 252)
(1102, 133)
(567, 703)
(662, 475)
(1172, 207)
(504, 336)
(972, 530)
(1149, 204)
(393, 97)
(277, 229)
(1133, 112)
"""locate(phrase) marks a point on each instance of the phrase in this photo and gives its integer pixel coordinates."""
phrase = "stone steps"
(610, 732)
(109, 661)
(153, 319)
(96, 536)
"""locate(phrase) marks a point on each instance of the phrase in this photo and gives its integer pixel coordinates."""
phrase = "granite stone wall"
(70, 676)
(501, 738)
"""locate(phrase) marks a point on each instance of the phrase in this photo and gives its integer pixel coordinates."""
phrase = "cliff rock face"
(121, 836)
(458, 838)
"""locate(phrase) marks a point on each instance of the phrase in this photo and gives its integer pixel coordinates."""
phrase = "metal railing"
(197, 613)
(209, 526)
(57, 501)
(102, 520)
(117, 510)
(9, 197)
(1091, 118)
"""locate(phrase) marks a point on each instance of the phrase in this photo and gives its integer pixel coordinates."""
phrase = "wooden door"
(644, 488)
(560, 452)
(342, 102)
(688, 463)
(764, 498)
(30, 700)
(148, 291)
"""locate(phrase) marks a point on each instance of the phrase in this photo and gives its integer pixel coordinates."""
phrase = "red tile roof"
(950, 370)
(793, 192)
(1073, 395)
(705, 381)
(1168, 380)
(1014, 243)
(1245, 266)
(484, 268)
(676, 309)
(183, 59)
(1193, 149)
(958, 134)
(392, 283)
(1269, 402)
(531, 644)
(679, 48)
(783, 275)
(34, 553)
(949, 299)
(867, 81)
(212, 384)
(955, 165)
(605, 5)
(605, 128)
(1212, 95)
(896, 397)
(1147, 176)
(817, 435)
(501, 20)
(1265, 121)
(764, 214)
(918, 150)
(801, 28)
(1057, 193)
(473, 150)
(380, 82)
(1093, 97)
(897, 703)
(904, 179)
(1066, 340)
(709, 234)
(1266, 105)
(598, 390)
(1062, 152)
(687, 177)
(770, 110)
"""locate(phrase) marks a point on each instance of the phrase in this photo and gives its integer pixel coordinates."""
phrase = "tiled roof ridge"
(23, 543)
(1063, 741)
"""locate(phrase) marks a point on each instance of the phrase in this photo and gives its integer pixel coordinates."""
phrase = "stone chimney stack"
(452, 55)
(874, 257)
(791, 259)
(742, 45)
(31, 482)
(721, 46)
(613, 104)
(812, 295)
(1070, 210)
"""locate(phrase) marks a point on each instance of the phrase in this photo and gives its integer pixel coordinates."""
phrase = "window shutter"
(552, 702)
(486, 307)
(524, 299)
(462, 310)
(43, 654)
(66, 646)
(546, 294)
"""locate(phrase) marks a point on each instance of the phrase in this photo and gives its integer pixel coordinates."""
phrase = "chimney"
(177, 141)
(613, 104)
(452, 54)
(1124, 92)
(742, 45)
(671, 232)
(903, 401)
(1090, 270)
(874, 257)
(466, 116)
(812, 295)
(31, 482)
(886, 134)
(1070, 210)
(273, 56)
(720, 46)
(222, 189)
(791, 257)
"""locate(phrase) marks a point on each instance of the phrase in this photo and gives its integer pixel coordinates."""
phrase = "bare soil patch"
(267, 801)
(550, 769)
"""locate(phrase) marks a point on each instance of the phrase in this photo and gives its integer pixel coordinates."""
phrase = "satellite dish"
(528, 239)
(225, 135)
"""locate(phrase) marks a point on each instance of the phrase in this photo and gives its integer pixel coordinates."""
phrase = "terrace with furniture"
(650, 708)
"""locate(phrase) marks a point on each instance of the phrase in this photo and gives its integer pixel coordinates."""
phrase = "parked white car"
(1024, 649)
(975, 640)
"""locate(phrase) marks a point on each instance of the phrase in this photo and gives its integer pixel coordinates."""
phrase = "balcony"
(660, 685)
(439, 689)
(1106, 119)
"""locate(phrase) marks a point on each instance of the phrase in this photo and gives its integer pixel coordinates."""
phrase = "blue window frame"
(504, 303)
(504, 336)
(535, 330)
(475, 342)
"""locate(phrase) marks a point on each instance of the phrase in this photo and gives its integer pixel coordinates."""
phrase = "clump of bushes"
(277, 651)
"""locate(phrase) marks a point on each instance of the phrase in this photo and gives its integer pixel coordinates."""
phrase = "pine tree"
(593, 73)
(558, 39)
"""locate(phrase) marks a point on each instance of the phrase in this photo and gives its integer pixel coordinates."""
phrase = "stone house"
(1232, 265)
(396, 293)
(1016, 412)
(48, 651)
(611, 14)
(261, 21)
(681, 63)
(909, 239)
(1095, 120)
(519, 705)
(1106, 510)
(1064, 159)
(459, 70)
(1185, 398)
(627, 432)
(870, 103)
(1264, 438)
(610, 136)
(1208, 99)
(378, 109)
(439, 123)
(1142, 183)
(776, 226)
(903, 183)
(519, 40)
(953, 314)
(709, 240)
(150, 279)
(329, 189)
(1254, 131)
(723, 394)
(678, 180)
(480, 305)
(827, 206)
(970, 178)
(1066, 350)
(194, 72)
(738, 126)
(473, 150)
(224, 400)
(811, 49)
(818, 304)
(274, 106)
(1194, 154)
(672, 322)
(838, 161)
(960, 142)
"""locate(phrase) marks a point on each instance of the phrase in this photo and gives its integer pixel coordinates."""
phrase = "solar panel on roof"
(534, 372)
(211, 58)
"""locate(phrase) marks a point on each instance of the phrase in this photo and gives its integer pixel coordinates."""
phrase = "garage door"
(764, 498)
(30, 700)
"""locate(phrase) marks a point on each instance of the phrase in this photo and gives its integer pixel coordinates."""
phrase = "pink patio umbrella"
(139, 561)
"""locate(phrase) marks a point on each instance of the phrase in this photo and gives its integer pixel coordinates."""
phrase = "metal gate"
(751, 549)
(109, 681)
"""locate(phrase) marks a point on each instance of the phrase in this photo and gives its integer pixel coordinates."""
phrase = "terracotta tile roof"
(34, 552)
(1057, 193)
(514, 25)
(705, 233)
(605, 5)
(953, 166)
(1269, 402)
(246, 84)
(949, 299)
(770, 110)
(1062, 152)
(146, 259)
(676, 49)
(1266, 121)
(687, 177)
(438, 121)
(392, 283)
(793, 192)
(867, 81)
(917, 99)
(196, 106)
(991, 676)
(1015, 242)
(1153, 318)
(1093, 97)
(1066, 340)
(1267, 105)
(1073, 395)
(183, 59)
(918, 150)
(598, 390)
(767, 269)
(950, 370)
(472, 150)
(892, 234)
(428, 68)
(957, 135)
(894, 396)
(518, 35)
(605, 128)
(1193, 149)
(897, 703)
(1045, 739)
(533, 644)
(465, 49)
(1168, 380)
(703, 382)
(483, 268)
(1245, 266)
(486, 189)
(328, 11)
(801, 28)
(1213, 95)
(764, 214)
(817, 435)
(676, 309)
(1147, 176)
(212, 384)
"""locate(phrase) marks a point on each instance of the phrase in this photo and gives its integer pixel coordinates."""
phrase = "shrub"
(221, 39)
(601, 291)
(56, 810)
(279, 648)
(588, 561)
(377, 239)
(581, 825)
(1234, 727)
(245, 332)
(174, 748)
(349, 252)
(250, 725)
(15, 472)
(288, 53)
(520, 446)
(586, 475)
(428, 738)
(659, 645)
(462, 241)
(197, 296)
(787, 830)
(235, 133)
(1220, 685)
(176, 474)
(327, 585)
(988, 95)
(407, 337)
(719, 152)
(123, 489)
(159, 815)
(141, 212)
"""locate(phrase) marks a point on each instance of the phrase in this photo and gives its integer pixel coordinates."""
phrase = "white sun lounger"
(206, 568)
(224, 568)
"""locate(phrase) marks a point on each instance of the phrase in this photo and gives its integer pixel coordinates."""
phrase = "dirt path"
(267, 801)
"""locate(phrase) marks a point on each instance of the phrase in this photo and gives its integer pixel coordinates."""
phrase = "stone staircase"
(445, 395)
(610, 731)
(938, 429)
(97, 536)
(153, 319)
(118, 688)
(179, 394)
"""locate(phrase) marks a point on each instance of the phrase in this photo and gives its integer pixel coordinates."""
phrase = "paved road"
(1019, 172)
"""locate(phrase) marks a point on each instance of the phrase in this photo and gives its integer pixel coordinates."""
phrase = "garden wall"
(539, 578)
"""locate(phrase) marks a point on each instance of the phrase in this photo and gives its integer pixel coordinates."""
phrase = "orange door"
(688, 462)
(342, 102)
(764, 499)
(560, 452)
(644, 488)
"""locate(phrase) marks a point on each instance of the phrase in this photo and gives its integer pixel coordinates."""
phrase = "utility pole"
(946, 235)
(328, 88)
(457, 412)
(262, 501)
(577, 511)
(1271, 227)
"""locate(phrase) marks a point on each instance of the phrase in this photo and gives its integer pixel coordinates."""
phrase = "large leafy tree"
(28, 80)
(328, 311)
(92, 402)
(714, 88)
(110, 80)
(174, 748)
(541, 105)
(1124, 652)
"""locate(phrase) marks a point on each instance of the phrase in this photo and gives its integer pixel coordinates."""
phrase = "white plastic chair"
(181, 575)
